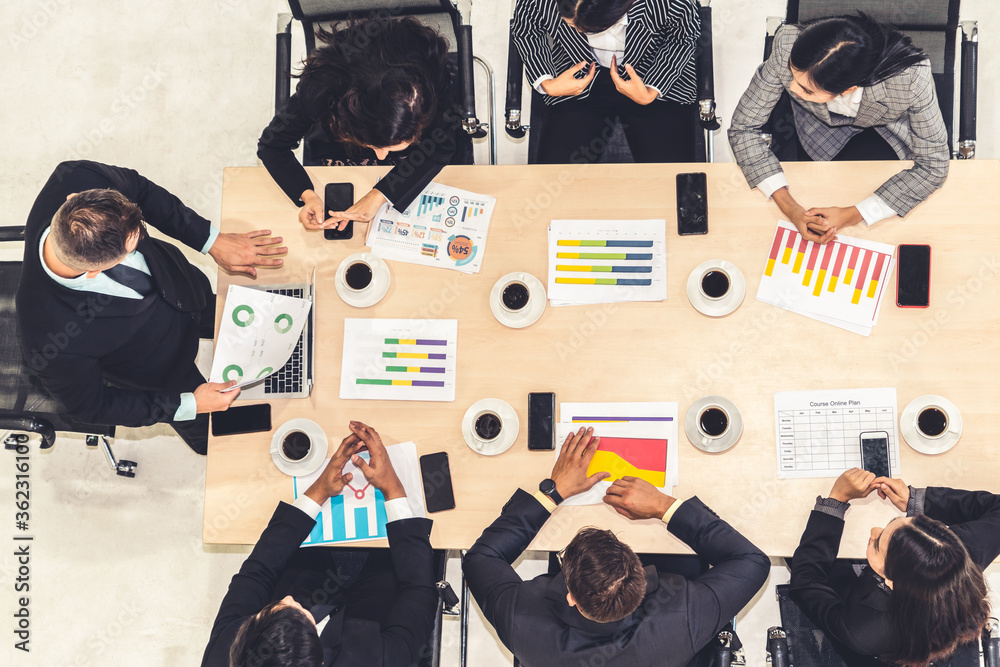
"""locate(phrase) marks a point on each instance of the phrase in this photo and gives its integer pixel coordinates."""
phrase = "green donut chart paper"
(232, 367)
(265, 372)
(236, 316)
(284, 317)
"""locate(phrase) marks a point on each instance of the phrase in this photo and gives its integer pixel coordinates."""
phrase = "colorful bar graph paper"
(605, 244)
(788, 246)
(605, 255)
(828, 251)
(428, 202)
(838, 266)
(851, 264)
(402, 383)
(413, 355)
(603, 281)
(414, 341)
(471, 212)
(859, 286)
(414, 369)
(876, 274)
(604, 269)
(775, 249)
(631, 457)
(814, 252)
(800, 254)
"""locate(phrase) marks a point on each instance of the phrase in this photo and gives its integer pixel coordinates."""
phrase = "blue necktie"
(140, 281)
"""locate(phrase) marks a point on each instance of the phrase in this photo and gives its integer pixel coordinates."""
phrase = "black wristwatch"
(548, 487)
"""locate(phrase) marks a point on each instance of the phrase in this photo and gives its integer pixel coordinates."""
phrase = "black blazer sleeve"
(251, 589)
(679, 31)
(973, 515)
(487, 566)
(274, 148)
(425, 160)
(738, 569)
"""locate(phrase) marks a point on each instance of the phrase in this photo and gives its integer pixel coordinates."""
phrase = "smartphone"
(692, 204)
(913, 276)
(242, 419)
(338, 197)
(875, 453)
(541, 417)
(438, 492)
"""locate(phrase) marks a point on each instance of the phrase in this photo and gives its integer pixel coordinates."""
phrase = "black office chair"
(442, 15)
(25, 408)
(725, 651)
(933, 25)
(617, 150)
(800, 643)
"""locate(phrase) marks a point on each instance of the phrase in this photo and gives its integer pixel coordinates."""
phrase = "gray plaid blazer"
(903, 110)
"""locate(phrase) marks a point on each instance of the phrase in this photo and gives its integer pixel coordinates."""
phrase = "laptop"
(295, 378)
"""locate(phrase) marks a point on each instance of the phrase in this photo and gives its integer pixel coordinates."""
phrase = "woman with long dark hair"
(858, 91)
(922, 594)
(378, 92)
(595, 60)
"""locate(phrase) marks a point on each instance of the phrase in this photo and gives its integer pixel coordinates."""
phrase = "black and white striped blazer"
(660, 43)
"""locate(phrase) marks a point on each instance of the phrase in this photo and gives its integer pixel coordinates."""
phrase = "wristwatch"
(548, 487)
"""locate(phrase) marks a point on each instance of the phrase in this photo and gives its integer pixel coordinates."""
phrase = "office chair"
(933, 25)
(442, 15)
(617, 150)
(800, 643)
(725, 651)
(24, 406)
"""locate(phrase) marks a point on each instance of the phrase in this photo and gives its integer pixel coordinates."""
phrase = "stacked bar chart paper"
(840, 283)
(604, 261)
(405, 360)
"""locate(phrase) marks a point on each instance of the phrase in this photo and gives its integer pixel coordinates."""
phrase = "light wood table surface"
(642, 351)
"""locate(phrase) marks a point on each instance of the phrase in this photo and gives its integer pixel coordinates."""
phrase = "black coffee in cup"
(358, 276)
(715, 284)
(713, 422)
(932, 421)
(296, 445)
(488, 426)
(515, 296)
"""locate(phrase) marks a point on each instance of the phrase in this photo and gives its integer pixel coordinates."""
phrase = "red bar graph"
(775, 249)
(858, 286)
(838, 266)
(851, 264)
(800, 254)
(828, 251)
(876, 275)
(789, 245)
(814, 252)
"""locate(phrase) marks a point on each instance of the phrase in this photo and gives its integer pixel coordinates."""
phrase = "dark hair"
(594, 15)
(277, 636)
(91, 229)
(841, 52)
(603, 575)
(381, 79)
(938, 593)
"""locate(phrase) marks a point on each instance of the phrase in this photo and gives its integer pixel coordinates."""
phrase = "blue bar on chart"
(429, 203)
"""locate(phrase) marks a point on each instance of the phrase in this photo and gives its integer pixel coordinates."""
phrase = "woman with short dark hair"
(378, 92)
(857, 90)
(922, 594)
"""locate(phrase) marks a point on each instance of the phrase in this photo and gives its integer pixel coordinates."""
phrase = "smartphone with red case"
(913, 276)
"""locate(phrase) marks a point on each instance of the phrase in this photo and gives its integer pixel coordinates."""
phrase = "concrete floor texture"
(179, 90)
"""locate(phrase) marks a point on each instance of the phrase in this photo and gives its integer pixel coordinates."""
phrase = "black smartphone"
(242, 419)
(438, 492)
(692, 204)
(875, 453)
(541, 420)
(913, 276)
(338, 197)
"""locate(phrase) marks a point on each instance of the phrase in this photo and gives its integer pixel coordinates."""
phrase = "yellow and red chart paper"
(841, 283)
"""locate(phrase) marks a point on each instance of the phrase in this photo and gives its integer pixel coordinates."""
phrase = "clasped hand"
(378, 469)
(857, 483)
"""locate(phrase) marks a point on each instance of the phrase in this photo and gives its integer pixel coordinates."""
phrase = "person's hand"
(833, 219)
(311, 213)
(566, 84)
(797, 215)
(895, 491)
(378, 469)
(364, 210)
(332, 481)
(632, 88)
(852, 484)
(213, 397)
(570, 470)
(636, 498)
(240, 253)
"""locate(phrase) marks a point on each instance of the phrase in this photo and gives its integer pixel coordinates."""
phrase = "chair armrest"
(991, 643)
(12, 233)
(968, 97)
(515, 84)
(283, 62)
(31, 425)
(467, 81)
(777, 647)
(706, 70)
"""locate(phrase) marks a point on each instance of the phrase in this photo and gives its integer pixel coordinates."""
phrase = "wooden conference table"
(642, 351)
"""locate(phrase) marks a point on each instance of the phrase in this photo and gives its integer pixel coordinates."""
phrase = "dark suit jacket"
(677, 618)
(346, 641)
(660, 43)
(856, 616)
(75, 341)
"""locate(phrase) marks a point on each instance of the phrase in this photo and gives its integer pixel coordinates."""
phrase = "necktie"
(140, 281)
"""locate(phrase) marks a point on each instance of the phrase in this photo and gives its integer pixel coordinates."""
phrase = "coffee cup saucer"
(917, 440)
(716, 307)
(507, 436)
(527, 315)
(708, 444)
(313, 460)
(370, 295)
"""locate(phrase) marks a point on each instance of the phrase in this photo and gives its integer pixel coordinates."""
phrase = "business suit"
(660, 43)
(854, 611)
(111, 360)
(397, 639)
(676, 619)
(903, 109)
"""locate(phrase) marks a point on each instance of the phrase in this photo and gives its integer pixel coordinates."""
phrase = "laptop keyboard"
(289, 379)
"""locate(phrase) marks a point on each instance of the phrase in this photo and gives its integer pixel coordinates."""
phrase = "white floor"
(179, 90)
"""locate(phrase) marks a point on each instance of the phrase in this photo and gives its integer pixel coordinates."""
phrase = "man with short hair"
(604, 607)
(307, 607)
(109, 316)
